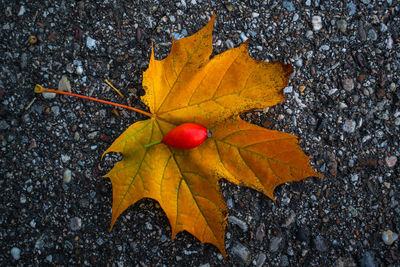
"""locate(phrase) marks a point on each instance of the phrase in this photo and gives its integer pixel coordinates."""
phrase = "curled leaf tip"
(39, 89)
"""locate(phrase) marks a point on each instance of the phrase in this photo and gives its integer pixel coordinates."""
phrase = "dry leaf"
(188, 86)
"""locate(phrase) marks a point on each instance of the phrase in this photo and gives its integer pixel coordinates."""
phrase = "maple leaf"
(188, 86)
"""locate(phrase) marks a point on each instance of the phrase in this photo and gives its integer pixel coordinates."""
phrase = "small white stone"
(49, 95)
(79, 70)
(316, 23)
(243, 37)
(16, 253)
(21, 11)
(255, 14)
(91, 43)
(67, 176)
(65, 158)
(349, 126)
(354, 177)
(389, 237)
(332, 91)
(288, 90)
(22, 199)
(342, 105)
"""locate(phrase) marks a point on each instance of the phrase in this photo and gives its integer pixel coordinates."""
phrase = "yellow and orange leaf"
(188, 86)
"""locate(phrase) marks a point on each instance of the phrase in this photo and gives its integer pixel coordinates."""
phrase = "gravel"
(343, 102)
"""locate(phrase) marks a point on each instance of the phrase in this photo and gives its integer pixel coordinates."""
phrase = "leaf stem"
(152, 144)
(41, 89)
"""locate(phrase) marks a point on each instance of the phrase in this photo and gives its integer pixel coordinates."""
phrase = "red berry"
(186, 136)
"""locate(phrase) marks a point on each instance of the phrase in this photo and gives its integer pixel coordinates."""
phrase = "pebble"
(24, 61)
(290, 219)
(149, 226)
(303, 234)
(163, 238)
(368, 260)
(242, 224)
(289, 6)
(354, 177)
(229, 44)
(243, 37)
(372, 35)
(349, 126)
(76, 136)
(352, 8)
(22, 199)
(361, 32)
(16, 253)
(348, 84)
(391, 161)
(383, 28)
(99, 241)
(179, 35)
(261, 259)
(260, 232)
(67, 176)
(49, 95)
(275, 242)
(4, 125)
(49, 258)
(70, 68)
(324, 48)
(92, 135)
(389, 237)
(320, 244)
(91, 43)
(242, 252)
(342, 25)
(69, 245)
(55, 110)
(21, 11)
(75, 224)
(345, 262)
(79, 70)
(64, 84)
(284, 261)
(65, 158)
(288, 90)
(397, 121)
(316, 22)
